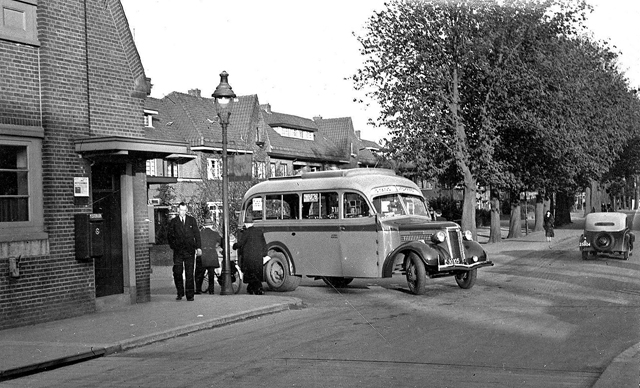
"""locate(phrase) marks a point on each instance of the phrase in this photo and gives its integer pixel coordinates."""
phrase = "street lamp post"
(223, 97)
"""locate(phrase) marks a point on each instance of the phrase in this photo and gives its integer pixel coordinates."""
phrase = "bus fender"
(428, 253)
(279, 246)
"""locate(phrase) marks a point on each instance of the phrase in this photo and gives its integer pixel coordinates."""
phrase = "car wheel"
(467, 279)
(277, 273)
(416, 274)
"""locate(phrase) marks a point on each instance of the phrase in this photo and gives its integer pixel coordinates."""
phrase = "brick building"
(72, 141)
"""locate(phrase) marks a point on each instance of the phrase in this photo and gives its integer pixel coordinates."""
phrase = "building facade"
(73, 151)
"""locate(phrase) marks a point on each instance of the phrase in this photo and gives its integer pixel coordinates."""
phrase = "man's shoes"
(259, 292)
(178, 297)
(198, 292)
(190, 299)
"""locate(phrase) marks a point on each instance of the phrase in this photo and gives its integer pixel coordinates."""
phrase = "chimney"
(358, 134)
(266, 107)
(194, 92)
(316, 118)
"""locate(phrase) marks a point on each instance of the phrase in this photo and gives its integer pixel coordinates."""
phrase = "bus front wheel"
(277, 273)
(416, 274)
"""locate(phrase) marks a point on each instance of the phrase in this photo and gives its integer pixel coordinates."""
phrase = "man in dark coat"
(184, 239)
(208, 262)
(252, 248)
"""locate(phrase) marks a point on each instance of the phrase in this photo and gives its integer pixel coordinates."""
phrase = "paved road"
(540, 318)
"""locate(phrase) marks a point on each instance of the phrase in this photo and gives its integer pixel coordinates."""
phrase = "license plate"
(584, 244)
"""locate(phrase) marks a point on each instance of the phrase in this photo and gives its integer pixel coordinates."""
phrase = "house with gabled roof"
(261, 144)
(196, 177)
(353, 152)
(296, 143)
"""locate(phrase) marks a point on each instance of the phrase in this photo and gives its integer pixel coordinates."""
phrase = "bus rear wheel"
(277, 274)
(336, 282)
(416, 274)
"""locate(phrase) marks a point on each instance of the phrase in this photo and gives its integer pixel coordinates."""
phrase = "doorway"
(105, 192)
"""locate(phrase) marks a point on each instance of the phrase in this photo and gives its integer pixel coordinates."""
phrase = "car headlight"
(438, 237)
(467, 235)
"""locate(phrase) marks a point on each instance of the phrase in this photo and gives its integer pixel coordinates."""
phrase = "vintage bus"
(338, 225)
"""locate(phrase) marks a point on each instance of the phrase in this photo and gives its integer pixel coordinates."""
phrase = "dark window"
(14, 190)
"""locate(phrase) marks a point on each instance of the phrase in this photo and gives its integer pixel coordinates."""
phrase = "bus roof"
(361, 179)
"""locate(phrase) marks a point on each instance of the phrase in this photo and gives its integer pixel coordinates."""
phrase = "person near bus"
(208, 261)
(184, 240)
(252, 248)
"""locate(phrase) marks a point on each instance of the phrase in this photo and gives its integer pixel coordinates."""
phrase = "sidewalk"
(35, 348)
(38, 347)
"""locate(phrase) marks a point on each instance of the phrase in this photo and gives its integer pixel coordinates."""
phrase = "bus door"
(358, 238)
(316, 239)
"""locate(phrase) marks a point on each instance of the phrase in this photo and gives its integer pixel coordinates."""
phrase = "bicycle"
(236, 278)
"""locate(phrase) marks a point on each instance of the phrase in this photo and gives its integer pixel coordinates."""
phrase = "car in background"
(606, 233)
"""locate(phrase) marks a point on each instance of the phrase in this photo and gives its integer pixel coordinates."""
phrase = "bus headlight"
(438, 237)
(475, 259)
(467, 235)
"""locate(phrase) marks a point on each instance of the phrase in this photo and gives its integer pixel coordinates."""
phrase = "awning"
(118, 147)
(181, 158)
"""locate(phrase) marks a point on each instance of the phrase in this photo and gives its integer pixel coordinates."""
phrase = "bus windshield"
(399, 205)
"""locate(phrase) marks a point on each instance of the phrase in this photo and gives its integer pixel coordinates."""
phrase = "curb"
(55, 363)
(182, 330)
(623, 369)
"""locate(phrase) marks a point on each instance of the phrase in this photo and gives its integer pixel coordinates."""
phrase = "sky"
(297, 55)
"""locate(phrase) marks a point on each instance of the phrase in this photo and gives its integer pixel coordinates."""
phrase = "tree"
(509, 95)
(437, 69)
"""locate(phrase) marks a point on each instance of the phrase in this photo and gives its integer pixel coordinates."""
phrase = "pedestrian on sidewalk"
(208, 261)
(548, 224)
(184, 239)
(252, 248)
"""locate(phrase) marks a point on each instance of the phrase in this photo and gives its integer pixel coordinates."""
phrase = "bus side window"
(273, 207)
(355, 206)
(282, 206)
(291, 206)
(329, 205)
(310, 205)
(320, 205)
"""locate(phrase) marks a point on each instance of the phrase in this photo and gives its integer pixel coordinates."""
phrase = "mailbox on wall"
(89, 236)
